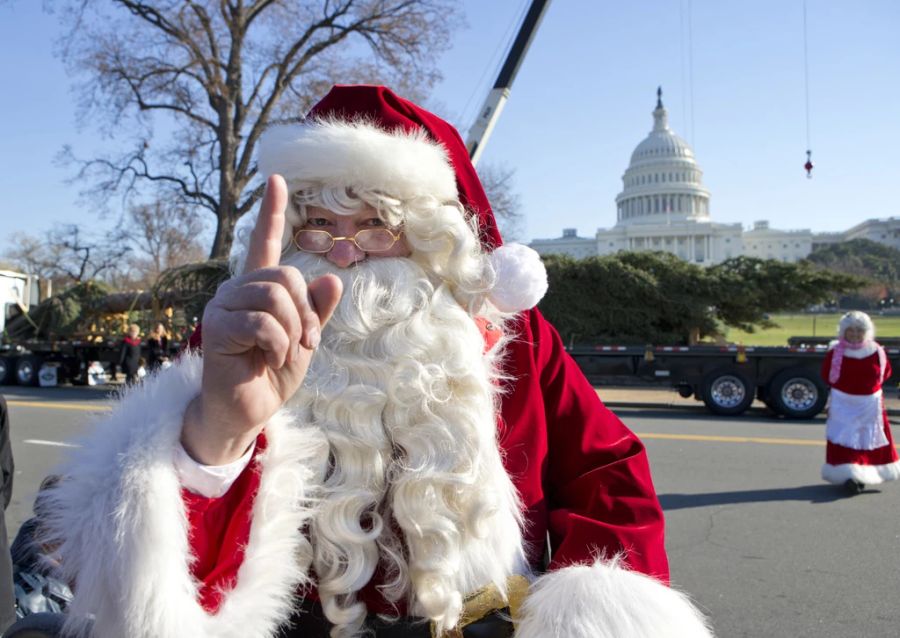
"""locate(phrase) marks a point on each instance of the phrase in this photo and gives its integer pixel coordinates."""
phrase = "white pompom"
(521, 278)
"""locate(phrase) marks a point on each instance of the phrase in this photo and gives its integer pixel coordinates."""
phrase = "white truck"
(38, 360)
(18, 293)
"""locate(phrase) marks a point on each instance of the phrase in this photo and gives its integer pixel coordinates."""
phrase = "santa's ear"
(521, 278)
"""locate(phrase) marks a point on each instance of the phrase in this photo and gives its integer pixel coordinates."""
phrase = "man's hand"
(259, 334)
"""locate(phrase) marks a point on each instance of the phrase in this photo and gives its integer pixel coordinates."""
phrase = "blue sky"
(582, 102)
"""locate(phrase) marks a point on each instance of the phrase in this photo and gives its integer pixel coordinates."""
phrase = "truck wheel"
(728, 391)
(798, 393)
(39, 625)
(27, 370)
(7, 365)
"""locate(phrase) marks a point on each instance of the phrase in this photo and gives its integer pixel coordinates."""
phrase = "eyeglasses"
(370, 240)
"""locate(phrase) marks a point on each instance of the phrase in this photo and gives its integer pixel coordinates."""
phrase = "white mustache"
(378, 292)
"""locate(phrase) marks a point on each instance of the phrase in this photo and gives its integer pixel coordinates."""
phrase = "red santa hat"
(367, 137)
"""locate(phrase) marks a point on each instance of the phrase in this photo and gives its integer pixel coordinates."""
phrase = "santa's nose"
(344, 253)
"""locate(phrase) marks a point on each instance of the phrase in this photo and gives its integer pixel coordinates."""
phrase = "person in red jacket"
(130, 354)
(382, 436)
(860, 449)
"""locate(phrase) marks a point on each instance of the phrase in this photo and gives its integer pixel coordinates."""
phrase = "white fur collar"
(121, 528)
(123, 531)
(869, 348)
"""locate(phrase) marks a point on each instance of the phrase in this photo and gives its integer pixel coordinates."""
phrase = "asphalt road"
(755, 537)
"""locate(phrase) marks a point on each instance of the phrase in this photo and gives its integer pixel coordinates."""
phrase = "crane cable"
(690, 24)
(687, 71)
(809, 163)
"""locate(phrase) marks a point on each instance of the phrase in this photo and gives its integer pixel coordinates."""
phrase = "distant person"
(860, 448)
(7, 600)
(157, 347)
(130, 354)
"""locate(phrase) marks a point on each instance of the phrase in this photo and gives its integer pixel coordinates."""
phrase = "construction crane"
(496, 99)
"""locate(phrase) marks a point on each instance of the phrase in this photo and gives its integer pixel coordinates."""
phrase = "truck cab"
(18, 293)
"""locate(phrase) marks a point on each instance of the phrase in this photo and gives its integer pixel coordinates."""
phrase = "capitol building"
(665, 206)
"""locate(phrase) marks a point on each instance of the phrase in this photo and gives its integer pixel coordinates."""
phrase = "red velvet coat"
(583, 477)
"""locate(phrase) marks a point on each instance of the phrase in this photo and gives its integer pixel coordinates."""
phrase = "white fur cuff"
(122, 531)
(604, 600)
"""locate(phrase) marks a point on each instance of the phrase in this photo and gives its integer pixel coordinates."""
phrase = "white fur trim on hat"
(521, 278)
(358, 154)
(604, 600)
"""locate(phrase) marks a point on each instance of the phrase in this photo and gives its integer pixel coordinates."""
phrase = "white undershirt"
(211, 481)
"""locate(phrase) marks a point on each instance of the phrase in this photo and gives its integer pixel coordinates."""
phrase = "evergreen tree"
(655, 297)
(874, 261)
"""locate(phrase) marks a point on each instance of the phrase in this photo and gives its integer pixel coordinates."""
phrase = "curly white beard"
(407, 399)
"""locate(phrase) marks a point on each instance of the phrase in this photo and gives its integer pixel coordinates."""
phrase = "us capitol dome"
(663, 182)
(664, 205)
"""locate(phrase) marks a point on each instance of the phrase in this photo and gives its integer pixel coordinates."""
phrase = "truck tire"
(797, 393)
(40, 625)
(7, 369)
(27, 368)
(728, 391)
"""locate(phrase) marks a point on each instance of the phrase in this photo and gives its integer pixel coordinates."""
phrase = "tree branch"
(154, 17)
(134, 84)
(142, 171)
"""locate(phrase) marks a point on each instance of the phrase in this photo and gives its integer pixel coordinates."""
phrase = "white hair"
(857, 319)
(408, 401)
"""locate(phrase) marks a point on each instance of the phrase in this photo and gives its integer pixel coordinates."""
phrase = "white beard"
(408, 402)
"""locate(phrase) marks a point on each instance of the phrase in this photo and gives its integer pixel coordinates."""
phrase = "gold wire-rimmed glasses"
(369, 240)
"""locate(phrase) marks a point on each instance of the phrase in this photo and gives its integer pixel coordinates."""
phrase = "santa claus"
(382, 435)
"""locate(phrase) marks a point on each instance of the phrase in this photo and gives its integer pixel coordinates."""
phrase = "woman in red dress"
(860, 448)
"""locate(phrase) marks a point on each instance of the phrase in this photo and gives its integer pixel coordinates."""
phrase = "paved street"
(758, 540)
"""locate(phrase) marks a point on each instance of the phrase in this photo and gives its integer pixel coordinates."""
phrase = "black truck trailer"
(726, 378)
(61, 361)
(64, 360)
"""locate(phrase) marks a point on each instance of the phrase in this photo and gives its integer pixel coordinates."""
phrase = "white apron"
(856, 420)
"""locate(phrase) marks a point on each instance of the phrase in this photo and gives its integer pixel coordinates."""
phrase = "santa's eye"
(372, 222)
(317, 222)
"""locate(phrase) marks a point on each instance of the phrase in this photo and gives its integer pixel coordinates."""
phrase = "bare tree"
(498, 182)
(68, 255)
(217, 72)
(29, 254)
(163, 235)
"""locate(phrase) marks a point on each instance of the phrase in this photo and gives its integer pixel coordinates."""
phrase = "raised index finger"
(265, 240)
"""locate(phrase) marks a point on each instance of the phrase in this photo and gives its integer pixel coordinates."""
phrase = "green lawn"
(824, 325)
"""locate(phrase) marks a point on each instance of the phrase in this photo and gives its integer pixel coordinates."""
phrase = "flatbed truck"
(726, 378)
